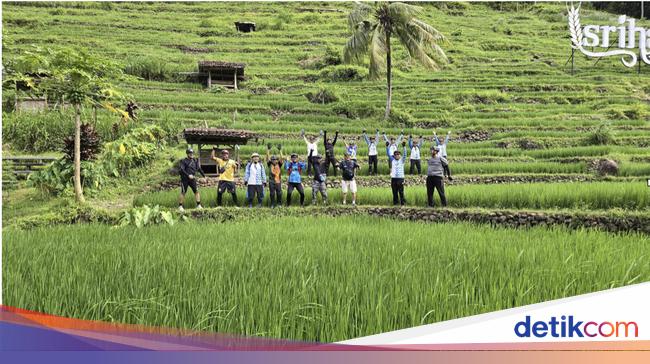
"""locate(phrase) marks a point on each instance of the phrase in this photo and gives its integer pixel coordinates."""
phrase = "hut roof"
(205, 66)
(217, 136)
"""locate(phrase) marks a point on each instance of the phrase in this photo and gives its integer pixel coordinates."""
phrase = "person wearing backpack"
(443, 151)
(320, 177)
(397, 175)
(329, 150)
(275, 176)
(348, 167)
(415, 154)
(189, 167)
(294, 167)
(255, 180)
(435, 176)
(372, 151)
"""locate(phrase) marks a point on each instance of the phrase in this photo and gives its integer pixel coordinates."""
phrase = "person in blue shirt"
(294, 167)
(351, 149)
(393, 145)
(397, 175)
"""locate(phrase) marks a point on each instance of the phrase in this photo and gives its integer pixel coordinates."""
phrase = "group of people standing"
(317, 167)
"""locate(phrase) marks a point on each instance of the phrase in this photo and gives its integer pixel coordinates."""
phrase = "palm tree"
(373, 25)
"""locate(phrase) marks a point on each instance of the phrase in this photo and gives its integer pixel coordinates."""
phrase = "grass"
(588, 195)
(317, 278)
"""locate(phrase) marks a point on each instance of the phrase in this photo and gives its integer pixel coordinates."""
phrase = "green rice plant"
(587, 196)
(307, 278)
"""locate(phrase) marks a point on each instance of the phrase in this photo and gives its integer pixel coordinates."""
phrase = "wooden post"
(209, 79)
(235, 79)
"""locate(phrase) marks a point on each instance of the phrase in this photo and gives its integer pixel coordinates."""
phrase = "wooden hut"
(215, 137)
(245, 26)
(227, 74)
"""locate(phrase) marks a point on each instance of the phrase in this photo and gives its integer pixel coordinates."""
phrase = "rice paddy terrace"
(527, 139)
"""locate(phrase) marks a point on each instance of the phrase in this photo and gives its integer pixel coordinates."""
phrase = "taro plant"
(145, 215)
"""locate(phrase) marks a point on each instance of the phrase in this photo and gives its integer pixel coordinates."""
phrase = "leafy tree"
(77, 76)
(373, 26)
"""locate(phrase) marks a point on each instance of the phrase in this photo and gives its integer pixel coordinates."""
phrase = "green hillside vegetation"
(526, 134)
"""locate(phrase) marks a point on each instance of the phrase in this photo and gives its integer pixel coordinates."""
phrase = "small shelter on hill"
(245, 27)
(227, 74)
(217, 138)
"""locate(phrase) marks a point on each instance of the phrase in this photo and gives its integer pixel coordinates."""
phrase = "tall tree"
(373, 26)
(79, 78)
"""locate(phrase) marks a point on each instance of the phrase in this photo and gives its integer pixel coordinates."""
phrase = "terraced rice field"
(526, 134)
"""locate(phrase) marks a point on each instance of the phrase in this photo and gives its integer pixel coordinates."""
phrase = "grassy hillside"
(526, 135)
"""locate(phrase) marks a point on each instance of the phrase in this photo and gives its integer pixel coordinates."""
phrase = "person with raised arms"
(392, 146)
(319, 184)
(415, 154)
(312, 147)
(226, 168)
(329, 150)
(294, 167)
(443, 151)
(397, 175)
(189, 167)
(372, 151)
(435, 176)
(255, 180)
(351, 149)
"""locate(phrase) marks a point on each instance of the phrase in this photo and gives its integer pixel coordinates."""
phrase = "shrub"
(134, 149)
(322, 96)
(601, 136)
(58, 176)
(355, 110)
(90, 144)
(401, 118)
(343, 73)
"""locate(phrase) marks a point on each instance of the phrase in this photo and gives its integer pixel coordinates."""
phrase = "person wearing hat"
(397, 175)
(392, 146)
(226, 168)
(443, 150)
(415, 154)
(294, 167)
(255, 180)
(351, 149)
(329, 145)
(435, 176)
(189, 167)
(348, 166)
(320, 178)
(372, 151)
(275, 176)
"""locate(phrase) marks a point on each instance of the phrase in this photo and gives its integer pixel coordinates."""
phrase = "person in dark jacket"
(275, 176)
(189, 167)
(435, 176)
(329, 151)
(320, 179)
(348, 167)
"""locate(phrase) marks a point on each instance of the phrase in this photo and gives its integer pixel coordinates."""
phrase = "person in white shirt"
(372, 151)
(415, 154)
(312, 148)
(255, 180)
(392, 146)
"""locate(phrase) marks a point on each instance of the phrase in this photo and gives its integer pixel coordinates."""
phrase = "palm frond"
(357, 45)
(377, 54)
(361, 12)
(402, 12)
(415, 47)
(429, 33)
